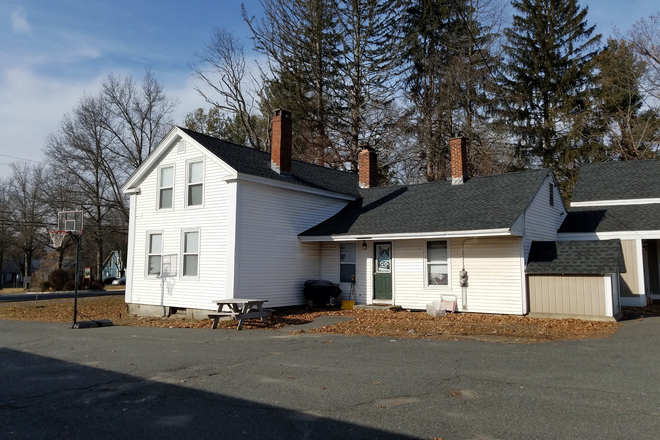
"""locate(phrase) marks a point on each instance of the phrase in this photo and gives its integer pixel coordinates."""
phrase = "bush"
(45, 286)
(95, 285)
(69, 285)
(59, 278)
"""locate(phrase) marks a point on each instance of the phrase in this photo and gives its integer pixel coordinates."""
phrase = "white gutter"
(622, 202)
(623, 235)
(410, 236)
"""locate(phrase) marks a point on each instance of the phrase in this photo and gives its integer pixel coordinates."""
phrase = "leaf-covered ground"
(389, 323)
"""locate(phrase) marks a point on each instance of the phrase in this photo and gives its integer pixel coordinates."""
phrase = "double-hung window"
(155, 248)
(190, 253)
(436, 263)
(165, 187)
(347, 259)
(195, 185)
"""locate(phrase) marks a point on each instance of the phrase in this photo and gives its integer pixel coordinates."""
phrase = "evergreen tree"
(547, 81)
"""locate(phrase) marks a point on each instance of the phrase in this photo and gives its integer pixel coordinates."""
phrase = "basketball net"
(57, 238)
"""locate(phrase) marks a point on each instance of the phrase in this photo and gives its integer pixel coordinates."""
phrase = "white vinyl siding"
(329, 270)
(347, 260)
(171, 288)
(542, 220)
(271, 261)
(493, 266)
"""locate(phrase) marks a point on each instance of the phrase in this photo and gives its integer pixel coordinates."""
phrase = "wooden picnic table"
(240, 309)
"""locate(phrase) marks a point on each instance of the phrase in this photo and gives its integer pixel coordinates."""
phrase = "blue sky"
(54, 51)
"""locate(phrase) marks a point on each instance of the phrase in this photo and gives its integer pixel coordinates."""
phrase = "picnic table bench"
(240, 309)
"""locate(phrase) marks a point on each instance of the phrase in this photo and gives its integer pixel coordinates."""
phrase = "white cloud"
(19, 22)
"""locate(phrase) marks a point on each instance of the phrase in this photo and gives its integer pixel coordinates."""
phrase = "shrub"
(59, 277)
(45, 286)
(69, 285)
(95, 285)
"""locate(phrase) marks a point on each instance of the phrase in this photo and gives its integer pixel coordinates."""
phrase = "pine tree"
(547, 81)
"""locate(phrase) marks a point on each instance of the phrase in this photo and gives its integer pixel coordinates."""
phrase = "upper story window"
(437, 270)
(552, 194)
(347, 260)
(155, 249)
(195, 185)
(190, 253)
(165, 187)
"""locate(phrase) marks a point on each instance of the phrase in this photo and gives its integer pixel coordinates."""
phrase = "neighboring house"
(212, 220)
(621, 200)
(113, 266)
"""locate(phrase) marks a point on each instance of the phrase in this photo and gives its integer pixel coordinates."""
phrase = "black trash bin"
(321, 293)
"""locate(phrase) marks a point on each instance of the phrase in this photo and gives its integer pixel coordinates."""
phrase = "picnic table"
(240, 309)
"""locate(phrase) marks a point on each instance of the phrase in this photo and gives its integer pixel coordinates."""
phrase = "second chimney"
(459, 162)
(280, 149)
(367, 167)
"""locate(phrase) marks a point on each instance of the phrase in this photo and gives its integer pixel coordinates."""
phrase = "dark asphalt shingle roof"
(257, 163)
(490, 202)
(575, 257)
(612, 218)
(638, 179)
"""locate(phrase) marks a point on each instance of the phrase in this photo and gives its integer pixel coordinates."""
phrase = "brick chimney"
(280, 149)
(459, 162)
(368, 167)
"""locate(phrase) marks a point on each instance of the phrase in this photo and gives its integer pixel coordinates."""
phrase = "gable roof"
(247, 160)
(612, 218)
(481, 203)
(637, 179)
(575, 257)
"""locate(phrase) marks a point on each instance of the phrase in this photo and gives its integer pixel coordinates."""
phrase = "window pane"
(191, 242)
(190, 265)
(436, 251)
(166, 177)
(347, 271)
(347, 252)
(154, 265)
(155, 243)
(166, 198)
(437, 274)
(194, 195)
(196, 172)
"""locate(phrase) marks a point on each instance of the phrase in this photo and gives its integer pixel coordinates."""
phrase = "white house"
(212, 220)
(621, 200)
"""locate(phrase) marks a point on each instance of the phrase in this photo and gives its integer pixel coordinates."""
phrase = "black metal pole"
(75, 289)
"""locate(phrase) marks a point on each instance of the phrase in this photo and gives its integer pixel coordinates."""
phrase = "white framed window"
(437, 263)
(154, 253)
(195, 183)
(347, 262)
(166, 187)
(190, 260)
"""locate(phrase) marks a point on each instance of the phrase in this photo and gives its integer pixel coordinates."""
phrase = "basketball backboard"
(70, 221)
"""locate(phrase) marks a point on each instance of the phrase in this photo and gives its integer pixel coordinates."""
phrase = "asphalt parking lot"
(138, 383)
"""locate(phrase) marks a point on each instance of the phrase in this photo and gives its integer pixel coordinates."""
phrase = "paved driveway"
(139, 383)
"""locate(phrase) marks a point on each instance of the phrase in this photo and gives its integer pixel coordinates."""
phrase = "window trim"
(448, 286)
(188, 184)
(148, 254)
(159, 188)
(354, 263)
(182, 275)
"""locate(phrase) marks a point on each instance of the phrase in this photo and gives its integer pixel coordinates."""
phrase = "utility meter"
(463, 278)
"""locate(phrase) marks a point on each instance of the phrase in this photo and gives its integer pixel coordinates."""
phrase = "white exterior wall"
(212, 221)
(271, 262)
(493, 265)
(541, 221)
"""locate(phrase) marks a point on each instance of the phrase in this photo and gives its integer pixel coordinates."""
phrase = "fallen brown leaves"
(388, 323)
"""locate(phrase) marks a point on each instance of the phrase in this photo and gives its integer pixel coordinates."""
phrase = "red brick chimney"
(368, 167)
(459, 162)
(280, 149)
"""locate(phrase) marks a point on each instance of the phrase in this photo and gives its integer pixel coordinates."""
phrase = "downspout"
(463, 276)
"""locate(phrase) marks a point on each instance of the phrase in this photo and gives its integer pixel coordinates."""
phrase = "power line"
(20, 158)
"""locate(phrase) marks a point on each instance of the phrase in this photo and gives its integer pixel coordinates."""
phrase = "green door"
(383, 271)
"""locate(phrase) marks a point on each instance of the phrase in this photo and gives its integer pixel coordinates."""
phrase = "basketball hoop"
(57, 238)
